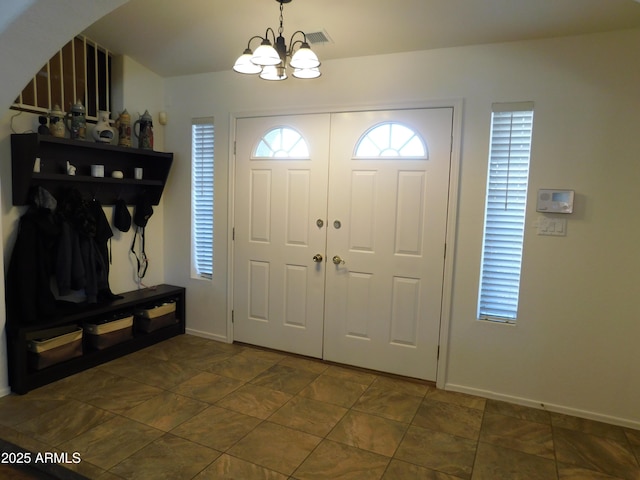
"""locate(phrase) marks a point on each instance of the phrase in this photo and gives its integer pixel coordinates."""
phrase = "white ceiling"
(195, 36)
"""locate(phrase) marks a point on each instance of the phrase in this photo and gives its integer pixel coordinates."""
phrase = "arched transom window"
(282, 142)
(391, 139)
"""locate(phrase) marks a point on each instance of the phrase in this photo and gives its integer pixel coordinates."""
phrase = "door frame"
(454, 179)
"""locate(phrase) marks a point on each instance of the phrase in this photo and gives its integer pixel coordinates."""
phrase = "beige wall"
(574, 348)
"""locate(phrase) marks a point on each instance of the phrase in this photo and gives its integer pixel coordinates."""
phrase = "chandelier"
(271, 62)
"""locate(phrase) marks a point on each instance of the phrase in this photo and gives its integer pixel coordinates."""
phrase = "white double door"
(384, 220)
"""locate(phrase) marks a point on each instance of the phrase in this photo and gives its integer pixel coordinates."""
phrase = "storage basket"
(150, 319)
(109, 332)
(49, 351)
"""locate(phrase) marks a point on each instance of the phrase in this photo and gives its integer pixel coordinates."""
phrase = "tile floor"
(194, 408)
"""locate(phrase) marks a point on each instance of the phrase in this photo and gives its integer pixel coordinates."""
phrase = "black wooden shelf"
(54, 153)
(60, 177)
(90, 145)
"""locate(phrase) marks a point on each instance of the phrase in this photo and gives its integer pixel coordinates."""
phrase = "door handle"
(317, 258)
(337, 260)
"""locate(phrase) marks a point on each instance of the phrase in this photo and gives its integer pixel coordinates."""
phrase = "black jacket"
(69, 245)
(28, 289)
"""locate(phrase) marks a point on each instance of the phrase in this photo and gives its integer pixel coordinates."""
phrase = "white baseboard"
(212, 336)
(527, 402)
(4, 391)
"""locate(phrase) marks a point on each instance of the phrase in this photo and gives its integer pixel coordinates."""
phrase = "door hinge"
(445, 250)
(232, 316)
(233, 233)
(438, 353)
(234, 147)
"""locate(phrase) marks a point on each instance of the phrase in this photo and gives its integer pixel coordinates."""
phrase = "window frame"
(285, 153)
(368, 136)
(202, 197)
(509, 160)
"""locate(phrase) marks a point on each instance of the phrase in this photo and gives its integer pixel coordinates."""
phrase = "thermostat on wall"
(555, 201)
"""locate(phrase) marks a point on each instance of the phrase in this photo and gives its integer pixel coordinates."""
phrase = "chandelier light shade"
(304, 58)
(273, 72)
(266, 55)
(306, 72)
(245, 65)
(271, 59)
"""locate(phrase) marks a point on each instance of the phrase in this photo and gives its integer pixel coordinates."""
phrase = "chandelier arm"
(273, 34)
(292, 42)
(251, 40)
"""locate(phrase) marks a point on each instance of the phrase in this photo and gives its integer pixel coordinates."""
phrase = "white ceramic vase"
(103, 132)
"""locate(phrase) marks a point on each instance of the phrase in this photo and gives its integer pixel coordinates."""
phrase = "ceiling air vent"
(318, 37)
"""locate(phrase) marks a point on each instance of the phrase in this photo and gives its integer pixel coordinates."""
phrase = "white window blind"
(202, 140)
(511, 130)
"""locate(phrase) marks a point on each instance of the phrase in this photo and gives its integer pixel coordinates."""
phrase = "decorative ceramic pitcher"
(56, 122)
(103, 132)
(123, 124)
(145, 137)
(76, 121)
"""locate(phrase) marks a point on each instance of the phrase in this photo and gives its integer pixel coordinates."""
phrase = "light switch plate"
(556, 227)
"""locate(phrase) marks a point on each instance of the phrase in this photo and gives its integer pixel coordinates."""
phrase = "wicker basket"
(150, 319)
(108, 333)
(49, 351)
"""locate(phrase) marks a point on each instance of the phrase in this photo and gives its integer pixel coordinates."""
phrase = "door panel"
(382, 306)
(378, 305)
(278, 289)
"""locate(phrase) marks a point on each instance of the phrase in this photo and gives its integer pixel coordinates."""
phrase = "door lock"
(317, 258)
(337, 260)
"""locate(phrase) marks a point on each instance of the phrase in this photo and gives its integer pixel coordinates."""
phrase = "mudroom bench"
(90, 339)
